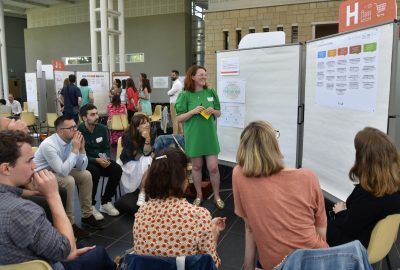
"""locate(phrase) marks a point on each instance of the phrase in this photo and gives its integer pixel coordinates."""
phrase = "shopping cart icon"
(380, 9)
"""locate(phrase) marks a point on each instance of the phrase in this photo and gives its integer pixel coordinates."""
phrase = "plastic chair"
(31, 265)
(29, 119)
(26, 107)
(50, 118)
(382, 238)
(119, 122)
(156, 116)
(34, 149)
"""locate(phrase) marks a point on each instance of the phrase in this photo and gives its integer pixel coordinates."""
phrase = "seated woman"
(115, 107)
(135, 157)
(168, 225)
(376, 172)
(283, 208)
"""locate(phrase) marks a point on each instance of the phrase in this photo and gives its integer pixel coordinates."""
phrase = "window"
(265, 29)
(252, 30)
(87, 60)
(279, 28)
(238, 36)
(226, 40)
(295, 34)
(325, 29)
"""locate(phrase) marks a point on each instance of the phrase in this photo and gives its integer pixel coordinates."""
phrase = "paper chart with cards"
(347, 71)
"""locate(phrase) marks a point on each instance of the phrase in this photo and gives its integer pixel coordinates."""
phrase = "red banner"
(356, 14)
(57, 64)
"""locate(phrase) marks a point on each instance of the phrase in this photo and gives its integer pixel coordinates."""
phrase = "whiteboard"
(271, 76)
(330, 127)
(32, 92)
(100, 84)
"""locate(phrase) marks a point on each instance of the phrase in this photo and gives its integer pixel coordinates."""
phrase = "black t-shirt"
(70, 93)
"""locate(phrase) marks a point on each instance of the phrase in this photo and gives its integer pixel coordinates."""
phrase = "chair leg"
(388, 262)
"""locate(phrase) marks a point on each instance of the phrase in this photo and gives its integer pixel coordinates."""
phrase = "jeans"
(163, 141)
(348, 256)
(113, 172)
(95, 259)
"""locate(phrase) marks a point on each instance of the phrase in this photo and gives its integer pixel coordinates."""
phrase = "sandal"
(220, 204)
(197, 202)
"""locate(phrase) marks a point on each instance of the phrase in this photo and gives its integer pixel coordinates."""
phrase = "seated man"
(16, 108)
(98, 151)
(25, 232)
(60, 153)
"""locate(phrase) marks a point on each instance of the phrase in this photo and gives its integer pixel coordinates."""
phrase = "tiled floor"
(117, 236)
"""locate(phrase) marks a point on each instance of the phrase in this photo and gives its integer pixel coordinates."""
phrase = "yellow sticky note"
(205, 115)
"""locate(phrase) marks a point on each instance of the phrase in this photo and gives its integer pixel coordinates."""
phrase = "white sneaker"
(97, 215)
(109, 209)
(141, 199)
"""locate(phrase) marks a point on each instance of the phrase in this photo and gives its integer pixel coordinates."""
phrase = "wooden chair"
(382, 238)
(31, 265)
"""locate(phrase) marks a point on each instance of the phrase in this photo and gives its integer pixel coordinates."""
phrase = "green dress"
(200, 134)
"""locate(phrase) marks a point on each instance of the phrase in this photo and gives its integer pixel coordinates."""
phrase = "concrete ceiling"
(18, 7)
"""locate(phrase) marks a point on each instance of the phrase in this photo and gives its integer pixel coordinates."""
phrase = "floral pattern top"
(173, 227)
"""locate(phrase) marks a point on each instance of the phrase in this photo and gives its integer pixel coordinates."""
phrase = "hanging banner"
(356, 14)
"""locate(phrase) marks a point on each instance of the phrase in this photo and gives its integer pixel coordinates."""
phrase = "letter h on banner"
(350, 14)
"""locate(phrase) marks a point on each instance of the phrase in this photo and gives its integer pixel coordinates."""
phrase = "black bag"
(127, 203)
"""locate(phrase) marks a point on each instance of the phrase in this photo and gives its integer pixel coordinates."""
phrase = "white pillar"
(93, 35)
(3, 52)
(121, 28)
(111, 38)
(104, 35)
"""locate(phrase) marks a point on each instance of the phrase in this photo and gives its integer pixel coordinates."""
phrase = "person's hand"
(46, 183)
(82, 251)
(82, 148)
(209, 110)
(76, 142)
(103, 162)
(339, 207)
(218, 223)
(144, 130)
(17, 125)
(197, 110)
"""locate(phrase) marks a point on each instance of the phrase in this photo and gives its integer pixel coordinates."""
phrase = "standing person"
(123, 92)
(25, 233)
(133, 98)
(4, 107)
(71, 97)
(144, 93)
(87, 93)
(376, 172)
(60, 101)
(135, 158)
(198, 107)
(64, 154)
(115, 89)
(173, 93)
(115, 108)
(15, 105)
(175, 220)
(100, 162)
(283, 208)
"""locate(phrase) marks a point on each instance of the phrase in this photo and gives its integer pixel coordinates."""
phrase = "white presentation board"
(100, 84)
(258, 84)
(59, 77)
(347, 86)
(32, 92)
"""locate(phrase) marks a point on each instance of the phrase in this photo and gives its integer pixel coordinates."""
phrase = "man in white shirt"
(64, 154)
(173, 93)
(4, 107)
(15, 105)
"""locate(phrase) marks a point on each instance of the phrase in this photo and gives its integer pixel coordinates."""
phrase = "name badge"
(210, 99)
(99, 139)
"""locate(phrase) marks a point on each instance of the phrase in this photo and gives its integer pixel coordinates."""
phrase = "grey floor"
(117, 236)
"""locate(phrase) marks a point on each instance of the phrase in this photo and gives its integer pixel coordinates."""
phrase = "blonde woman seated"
(168, 225)
(376, 172)
(283, 208)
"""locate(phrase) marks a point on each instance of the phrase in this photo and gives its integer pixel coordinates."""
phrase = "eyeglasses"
(71, 128)
(278, 134)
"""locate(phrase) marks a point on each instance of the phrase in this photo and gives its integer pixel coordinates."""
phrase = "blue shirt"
(25, 232)
(55, 154)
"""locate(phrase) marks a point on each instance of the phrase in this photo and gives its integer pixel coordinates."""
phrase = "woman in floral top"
(168, 225)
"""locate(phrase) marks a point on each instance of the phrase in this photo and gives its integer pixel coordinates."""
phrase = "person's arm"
(174, 89)
(79, 101)
(19, 109)
(82, 159)
(146, 93)
(206, 237)
(250, 249)
(322, 232)
(91, 97)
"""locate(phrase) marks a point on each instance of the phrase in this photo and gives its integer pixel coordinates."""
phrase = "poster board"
(360, 98)
(270, 80)
(32, 92)
(100, 84)
(59, 77)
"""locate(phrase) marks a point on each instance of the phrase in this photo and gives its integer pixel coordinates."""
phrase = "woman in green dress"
(197, 107)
